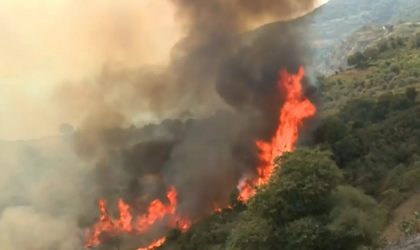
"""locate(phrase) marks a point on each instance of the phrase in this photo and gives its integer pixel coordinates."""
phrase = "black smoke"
(219, 94)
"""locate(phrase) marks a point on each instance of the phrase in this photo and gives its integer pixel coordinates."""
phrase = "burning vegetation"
(294, 111)
(126, 224)
(227, 113)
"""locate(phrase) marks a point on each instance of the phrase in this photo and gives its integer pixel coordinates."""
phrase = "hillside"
(384, 148)
(336, 57)
(338, 20)
(389, 65)
(370, 125)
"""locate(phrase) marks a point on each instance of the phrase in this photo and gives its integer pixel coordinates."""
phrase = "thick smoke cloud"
(43, 193)
(217, 96)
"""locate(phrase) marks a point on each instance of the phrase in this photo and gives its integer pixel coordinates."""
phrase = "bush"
(356, 219)
(371, 52)
(358, 60)
(383, 46)
(251, 233)
(395, 69)
(306, 233)
(409, 180)
(348, 149)
(391, 198)
(400, 103)
(331, 131)
(411, 94)
(416, 41)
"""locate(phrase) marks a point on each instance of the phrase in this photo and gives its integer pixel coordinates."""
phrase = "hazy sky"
(46, 43)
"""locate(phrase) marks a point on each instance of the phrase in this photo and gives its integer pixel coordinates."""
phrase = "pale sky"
(45, 43)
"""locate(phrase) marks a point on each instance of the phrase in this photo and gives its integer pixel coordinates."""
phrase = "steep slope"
(339, 19)
(391, 66)
(373, 125)
(373, 136)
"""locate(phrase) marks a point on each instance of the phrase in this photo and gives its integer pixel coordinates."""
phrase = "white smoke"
(44, 189)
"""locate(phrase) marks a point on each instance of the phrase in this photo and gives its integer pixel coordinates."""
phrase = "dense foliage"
(376, 144)
(305, 206)
(390, 66)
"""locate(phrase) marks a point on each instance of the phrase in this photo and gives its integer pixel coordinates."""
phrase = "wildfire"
(157, 211)
(295, 110)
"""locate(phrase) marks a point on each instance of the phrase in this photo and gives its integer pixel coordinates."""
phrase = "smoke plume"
(217, 96)
(191, 124)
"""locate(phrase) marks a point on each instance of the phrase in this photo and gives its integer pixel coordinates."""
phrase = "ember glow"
(126, 224)
(295, 110)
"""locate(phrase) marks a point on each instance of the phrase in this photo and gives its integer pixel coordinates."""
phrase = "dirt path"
(405, 210)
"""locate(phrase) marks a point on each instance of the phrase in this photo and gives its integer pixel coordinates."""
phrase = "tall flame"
(157, 211)
(295, 110)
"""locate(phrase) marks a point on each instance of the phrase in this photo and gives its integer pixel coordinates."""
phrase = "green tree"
(303, 207)
(347, 149)
(358, 110)
(306, 180)
(371, 52)
(306, 233)
(383, 46)
(395, 69)
(358, 60)
(400, 103)
(252, 233)
(356, 219)
(416, 41)
(301, 187)
(411, 94)
(331, 131)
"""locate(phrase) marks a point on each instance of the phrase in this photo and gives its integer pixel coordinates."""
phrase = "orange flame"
(157, 211)
(154, 244)
(295, 110)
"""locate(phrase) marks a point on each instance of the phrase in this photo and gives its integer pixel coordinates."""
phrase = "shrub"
(358, 60)
(395, 69)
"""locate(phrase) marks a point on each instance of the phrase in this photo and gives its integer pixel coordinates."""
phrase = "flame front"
(157, 211)
(295, 110)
